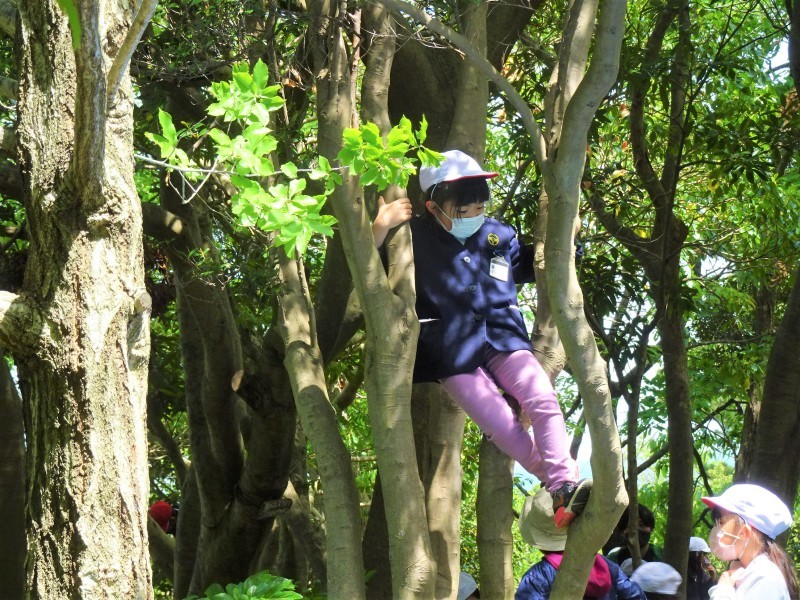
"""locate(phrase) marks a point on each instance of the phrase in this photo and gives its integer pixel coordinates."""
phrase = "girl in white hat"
(747, 520)
(700, 574)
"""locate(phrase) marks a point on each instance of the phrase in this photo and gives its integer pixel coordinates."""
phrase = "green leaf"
(260, 74)
(243, 80)
(69, 8)
(422, 134)
(371, 134)
(289, 169)
(162, 143)
(220, 137)
(168, 127)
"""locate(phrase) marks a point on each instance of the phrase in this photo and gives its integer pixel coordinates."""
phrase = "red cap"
(161, 512)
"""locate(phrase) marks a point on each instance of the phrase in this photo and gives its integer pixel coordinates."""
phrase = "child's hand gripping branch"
(389, 216)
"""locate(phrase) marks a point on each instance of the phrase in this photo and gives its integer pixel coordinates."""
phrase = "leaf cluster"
(261, 586)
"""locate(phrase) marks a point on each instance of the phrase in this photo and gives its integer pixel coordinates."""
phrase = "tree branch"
(639, 86)
(162, 549)
(170, 445)
(11, 181)
(163, 225)
(123, 57)
(571, 65)
(9, 143)
(8, 18)
(484, 66)
(8, 88)
(599, 78)
(20, 324)
(679, 79)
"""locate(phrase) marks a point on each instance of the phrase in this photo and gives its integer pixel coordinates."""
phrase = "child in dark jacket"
(606, 581)
(472, 337)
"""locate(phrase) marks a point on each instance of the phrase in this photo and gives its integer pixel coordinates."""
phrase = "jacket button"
(477, 318)
(472, 288)
(467, 259)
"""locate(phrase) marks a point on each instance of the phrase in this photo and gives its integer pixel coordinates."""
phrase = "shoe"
(569, 501)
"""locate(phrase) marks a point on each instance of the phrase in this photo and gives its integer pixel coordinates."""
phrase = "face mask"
(466, 226)
(644, 538)
(461, 228)
(724, 551)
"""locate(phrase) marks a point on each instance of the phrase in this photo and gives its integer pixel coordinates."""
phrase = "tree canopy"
(186, 190)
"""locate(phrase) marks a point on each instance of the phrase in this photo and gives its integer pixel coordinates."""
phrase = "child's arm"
(389, 216)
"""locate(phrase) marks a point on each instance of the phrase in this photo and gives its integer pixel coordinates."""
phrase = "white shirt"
(760, 580)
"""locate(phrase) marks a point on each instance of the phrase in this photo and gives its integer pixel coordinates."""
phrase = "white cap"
(759, 507)
(627, 566)
(466, 585)
(698, 544)
(657, 577)
(456, 165)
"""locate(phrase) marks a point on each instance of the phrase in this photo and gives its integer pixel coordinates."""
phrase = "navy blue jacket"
(538, 581)
(460, 306)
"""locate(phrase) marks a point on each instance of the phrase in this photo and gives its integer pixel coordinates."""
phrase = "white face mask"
(466, 226)
(460, 228)
(724, 551)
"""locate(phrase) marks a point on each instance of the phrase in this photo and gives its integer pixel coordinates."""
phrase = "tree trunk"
(495, 520)
(12, 489)
(304, 364)
(391, 327)
(679, 431)
(83, 366)
(441, 476)
(776, 463)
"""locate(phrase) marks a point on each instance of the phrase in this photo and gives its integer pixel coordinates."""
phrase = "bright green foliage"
(273, 199)
(266, 198)
(386, 163)
(260, 586)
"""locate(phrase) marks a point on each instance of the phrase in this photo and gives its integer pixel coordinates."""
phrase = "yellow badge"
(493, 239)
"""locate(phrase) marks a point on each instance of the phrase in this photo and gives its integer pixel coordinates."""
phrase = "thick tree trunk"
(375, 547)
(12, 489)
(441, 476)
(776, 463)
(83, 371)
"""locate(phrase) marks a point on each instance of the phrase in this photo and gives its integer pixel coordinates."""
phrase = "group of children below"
(747, 519)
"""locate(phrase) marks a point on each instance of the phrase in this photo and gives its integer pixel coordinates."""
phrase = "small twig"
(115, 74)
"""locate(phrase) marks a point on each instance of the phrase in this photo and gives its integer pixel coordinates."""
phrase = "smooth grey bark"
(304, 364)
(375, 546)
(391, 326)
(495, 521)
(442, 478)
(83, 371)
(12, 488)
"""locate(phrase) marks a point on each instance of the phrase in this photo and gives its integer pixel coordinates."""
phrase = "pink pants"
(545, 453)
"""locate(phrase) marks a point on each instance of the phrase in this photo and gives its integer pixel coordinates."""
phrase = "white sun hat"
(456, 165)
(657, 577)
(759, 507)
(698, 544)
